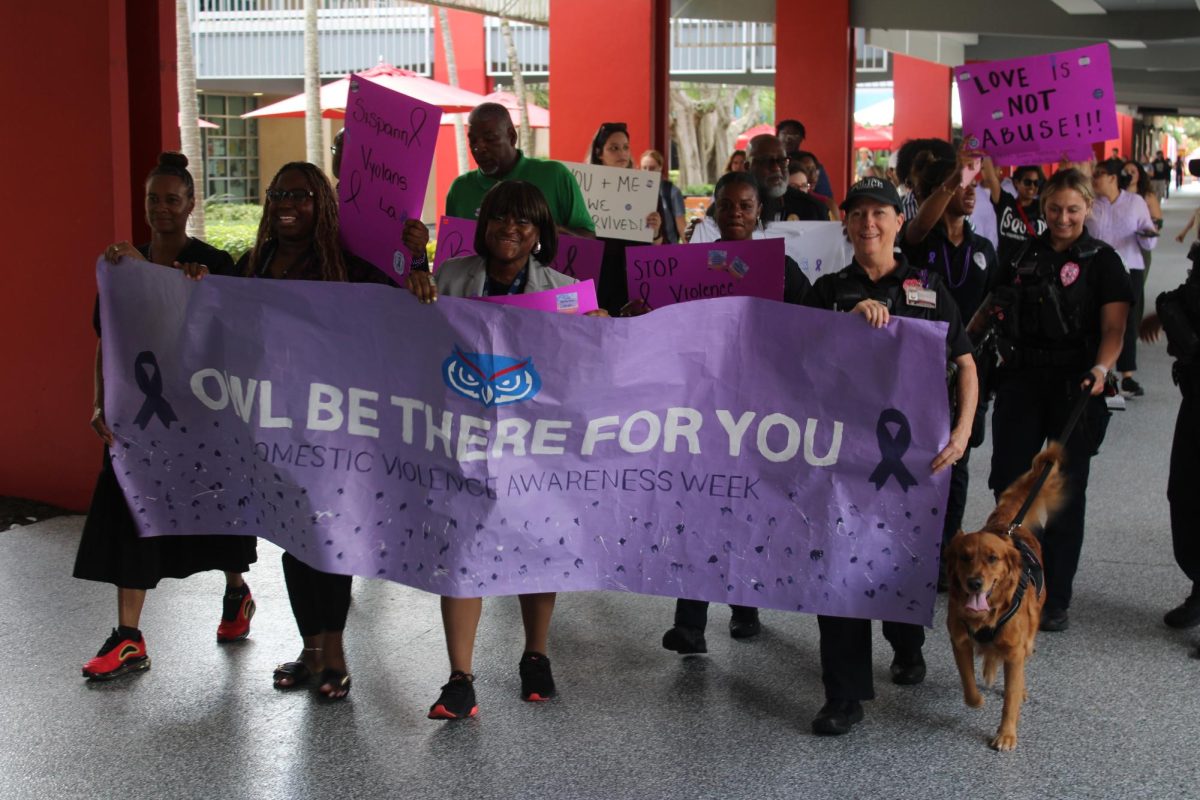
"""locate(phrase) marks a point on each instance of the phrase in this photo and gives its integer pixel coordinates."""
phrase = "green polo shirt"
(555, 181)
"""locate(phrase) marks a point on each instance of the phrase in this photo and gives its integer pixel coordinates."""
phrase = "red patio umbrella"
(743, 141)
(879, 138)
(333, 95)
(538, 117)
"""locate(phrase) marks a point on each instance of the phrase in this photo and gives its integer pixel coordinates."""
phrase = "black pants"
(694, 613)
(956, 502)
(1182, 487)
(846, 654)
(1031, 407)
(320, 600)
(1127, 361)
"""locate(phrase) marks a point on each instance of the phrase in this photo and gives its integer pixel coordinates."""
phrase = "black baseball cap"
(875, 189)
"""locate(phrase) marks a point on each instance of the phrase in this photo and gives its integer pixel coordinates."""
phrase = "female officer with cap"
(1060, 307)
(878, 284)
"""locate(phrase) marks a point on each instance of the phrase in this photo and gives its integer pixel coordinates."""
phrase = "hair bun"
(172, 159)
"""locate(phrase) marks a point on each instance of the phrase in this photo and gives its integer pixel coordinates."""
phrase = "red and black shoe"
(236, 612)
(119, 655)
(457, 700)
(537, 683)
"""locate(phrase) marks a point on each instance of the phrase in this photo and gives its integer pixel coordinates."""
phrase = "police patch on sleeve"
(980, 260)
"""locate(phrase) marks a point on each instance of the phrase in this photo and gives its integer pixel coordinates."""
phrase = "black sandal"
(340, 681)
(297, 671)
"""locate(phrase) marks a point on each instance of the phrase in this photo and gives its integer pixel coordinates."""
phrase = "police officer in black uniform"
(1060, 307)
(1179, 315)
(877, 284)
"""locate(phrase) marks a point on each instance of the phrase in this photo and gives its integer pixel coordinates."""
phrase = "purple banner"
(387, 154)
(677, 273)
(578, 257)
(690, 452)
(1037, 110)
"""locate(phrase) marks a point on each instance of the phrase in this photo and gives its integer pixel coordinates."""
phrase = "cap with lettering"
(874, 189)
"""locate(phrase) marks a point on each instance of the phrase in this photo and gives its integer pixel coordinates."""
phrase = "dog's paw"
(1004, 742)
(973, 699)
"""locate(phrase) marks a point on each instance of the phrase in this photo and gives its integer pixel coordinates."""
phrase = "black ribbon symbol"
(151, 385)
(416, 121)
(892, 450)
(568, 266)
(644, 291)
(355, 188)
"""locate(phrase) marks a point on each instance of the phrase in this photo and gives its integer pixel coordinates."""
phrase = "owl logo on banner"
(489, 379)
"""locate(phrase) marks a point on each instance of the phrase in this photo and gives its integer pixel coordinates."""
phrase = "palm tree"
(189, 113)
(460, 135)
(314, 142)
(514, 66)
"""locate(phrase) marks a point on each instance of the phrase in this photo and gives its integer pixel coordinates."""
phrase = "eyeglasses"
(780, 162)
(613, 127)
(295, 195)
(1030, 182)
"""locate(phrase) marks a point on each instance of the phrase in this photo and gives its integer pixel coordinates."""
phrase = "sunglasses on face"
(1030, 182)
(295, 195)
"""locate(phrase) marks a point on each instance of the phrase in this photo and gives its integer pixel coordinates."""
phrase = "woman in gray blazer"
(514, 239)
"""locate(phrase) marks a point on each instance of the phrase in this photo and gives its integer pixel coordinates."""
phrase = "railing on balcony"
(711, 46)
(265, 38)
(531, 41)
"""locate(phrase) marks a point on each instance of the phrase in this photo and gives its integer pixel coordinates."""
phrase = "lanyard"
(966, 268)
(492, 288)
(1024, 218)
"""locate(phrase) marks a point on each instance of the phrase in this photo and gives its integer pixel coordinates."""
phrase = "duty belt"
(1035, 357)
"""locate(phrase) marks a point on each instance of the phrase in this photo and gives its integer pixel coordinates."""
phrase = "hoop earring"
(537, 248)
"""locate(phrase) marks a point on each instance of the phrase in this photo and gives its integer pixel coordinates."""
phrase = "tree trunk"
(514, 66)
(683, 127)
(460, 133)
(313, 139)
(189, 113)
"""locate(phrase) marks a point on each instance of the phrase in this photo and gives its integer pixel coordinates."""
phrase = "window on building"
(231, 150)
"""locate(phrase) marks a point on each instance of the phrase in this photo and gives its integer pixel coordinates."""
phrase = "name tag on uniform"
(921, 298)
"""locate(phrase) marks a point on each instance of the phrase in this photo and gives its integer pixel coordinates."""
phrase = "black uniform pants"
(694, 613)
(956, 501)
(1031, 407)
(320, 600)
(1182, 485)
(1127, 361)
(846, 654)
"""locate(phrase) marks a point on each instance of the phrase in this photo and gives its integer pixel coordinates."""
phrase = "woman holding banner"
(879, 284)
(110, 549)
(610, 148)
(514, 239)
(298, 240)
(737, 204)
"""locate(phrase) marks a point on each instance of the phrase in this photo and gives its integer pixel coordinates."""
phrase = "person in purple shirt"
(1122, 220)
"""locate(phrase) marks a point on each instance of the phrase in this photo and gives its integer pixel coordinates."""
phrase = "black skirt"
(111, 551)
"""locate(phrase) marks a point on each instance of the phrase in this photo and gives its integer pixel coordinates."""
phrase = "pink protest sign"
(1039, 109)
(578, 257)
(387, 154)
(578, 298)
(677, 273)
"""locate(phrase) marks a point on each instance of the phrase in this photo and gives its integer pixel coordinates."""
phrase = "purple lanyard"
(950, 266)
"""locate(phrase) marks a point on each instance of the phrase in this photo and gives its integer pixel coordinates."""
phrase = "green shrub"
(216, 211)
(699, 190)
(234, 237)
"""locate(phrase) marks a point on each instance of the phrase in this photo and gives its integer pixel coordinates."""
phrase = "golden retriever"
(985, 570)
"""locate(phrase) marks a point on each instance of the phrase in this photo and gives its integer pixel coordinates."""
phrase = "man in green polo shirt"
(494, 145)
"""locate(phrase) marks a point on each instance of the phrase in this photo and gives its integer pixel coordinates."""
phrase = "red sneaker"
(235, 615)
(118, 656)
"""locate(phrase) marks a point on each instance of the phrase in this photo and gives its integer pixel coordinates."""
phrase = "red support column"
(814, 79)
(153, 117)
(470, 52)
(922, 93)
(630, 85)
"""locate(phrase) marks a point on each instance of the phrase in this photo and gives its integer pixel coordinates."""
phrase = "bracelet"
(1103, 371)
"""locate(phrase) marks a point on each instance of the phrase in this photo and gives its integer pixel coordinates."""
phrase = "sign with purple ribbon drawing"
(578, 257)
(692, 452)
(676, 273)
(1039, 109)
(387, 154)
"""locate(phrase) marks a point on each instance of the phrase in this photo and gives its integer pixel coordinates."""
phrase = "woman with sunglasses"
(1019, 218)
(610, 148)
(110, 549)
(1122, 220)
(298, 240)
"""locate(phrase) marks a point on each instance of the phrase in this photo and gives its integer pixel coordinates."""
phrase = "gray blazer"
(465, 276)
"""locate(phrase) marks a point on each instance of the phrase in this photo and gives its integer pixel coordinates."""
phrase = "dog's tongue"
(978, 602)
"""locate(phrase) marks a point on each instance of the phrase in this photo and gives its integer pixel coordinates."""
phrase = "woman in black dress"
(298, 240)
(110, 549)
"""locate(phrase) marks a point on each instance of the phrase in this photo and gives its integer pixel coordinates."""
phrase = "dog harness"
(1031, 572)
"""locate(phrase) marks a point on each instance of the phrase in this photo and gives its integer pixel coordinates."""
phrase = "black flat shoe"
(1186, 615)
(685, 641)
(1055, 620)
(837, 717)
(745, 627)
(908, 669)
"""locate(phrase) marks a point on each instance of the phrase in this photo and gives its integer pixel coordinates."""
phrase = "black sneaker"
(837, 717)
(457, 700)
(745, 624)
(908, 669)
(685, 641)
(1186, 615)
(1055, 620)
(536, 681)
(1131, 388)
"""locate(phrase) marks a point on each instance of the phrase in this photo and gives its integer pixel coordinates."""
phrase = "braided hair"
(175, 165)
(325, 230)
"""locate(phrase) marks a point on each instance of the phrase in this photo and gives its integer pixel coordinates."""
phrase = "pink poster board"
(387, 154)
(577, 257)
(578, 298)
(677, 273)
(1039, 109)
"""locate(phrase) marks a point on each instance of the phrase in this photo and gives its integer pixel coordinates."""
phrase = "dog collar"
(1031, 572)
